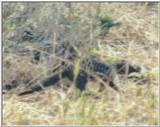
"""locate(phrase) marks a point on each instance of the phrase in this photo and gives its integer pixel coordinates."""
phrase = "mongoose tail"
(49, 81)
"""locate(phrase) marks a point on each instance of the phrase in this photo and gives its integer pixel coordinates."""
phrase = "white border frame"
(80, 1)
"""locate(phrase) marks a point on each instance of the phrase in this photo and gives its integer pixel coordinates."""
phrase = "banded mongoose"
(89, 68)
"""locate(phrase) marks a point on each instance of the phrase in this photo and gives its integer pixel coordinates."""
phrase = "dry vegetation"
(135, 40)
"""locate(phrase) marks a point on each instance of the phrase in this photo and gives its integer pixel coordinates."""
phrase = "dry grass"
(135, 40)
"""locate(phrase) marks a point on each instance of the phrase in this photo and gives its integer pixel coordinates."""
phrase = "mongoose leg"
(111, 84)
(81, 80)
